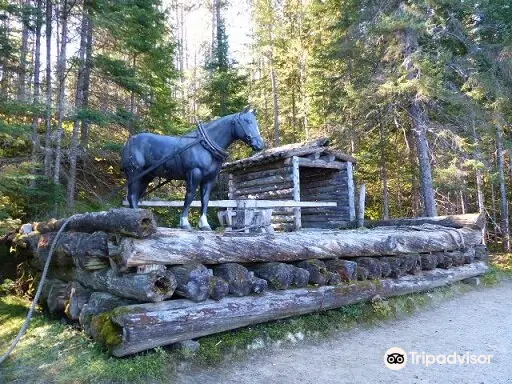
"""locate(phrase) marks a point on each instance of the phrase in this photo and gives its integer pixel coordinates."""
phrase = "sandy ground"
(478, 322)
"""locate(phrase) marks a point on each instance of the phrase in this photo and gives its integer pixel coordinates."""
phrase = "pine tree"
(225, 89)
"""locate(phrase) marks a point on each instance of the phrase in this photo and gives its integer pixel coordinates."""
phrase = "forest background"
(418, 91)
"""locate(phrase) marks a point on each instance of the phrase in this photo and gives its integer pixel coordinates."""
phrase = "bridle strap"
(237, 119)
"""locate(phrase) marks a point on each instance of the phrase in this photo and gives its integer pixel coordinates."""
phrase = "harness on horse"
(210, 145)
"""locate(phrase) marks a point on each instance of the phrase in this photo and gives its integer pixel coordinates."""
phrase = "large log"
(154, 286)
(282, 276)
(193, 281)
(219, 288)
(140, 327)
(58, 297)
(171, 246)
(317, 271)
(126, 221)
(470, 220)
(78, 297)
(84, 250)
(238, 277)
(100, 302)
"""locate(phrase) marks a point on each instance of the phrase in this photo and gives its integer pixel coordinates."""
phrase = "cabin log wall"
(271, 181)
(325, 184)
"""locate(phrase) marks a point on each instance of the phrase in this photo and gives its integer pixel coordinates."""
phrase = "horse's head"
(246, 129)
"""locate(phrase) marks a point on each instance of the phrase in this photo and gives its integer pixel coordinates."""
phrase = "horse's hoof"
(205, 228)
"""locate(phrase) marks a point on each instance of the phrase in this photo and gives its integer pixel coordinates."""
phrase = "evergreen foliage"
(367, 73)
(225, 90)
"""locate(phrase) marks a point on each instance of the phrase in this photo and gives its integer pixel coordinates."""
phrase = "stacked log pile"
(134, 286)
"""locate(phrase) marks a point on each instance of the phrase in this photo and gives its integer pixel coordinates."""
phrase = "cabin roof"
(320, 146)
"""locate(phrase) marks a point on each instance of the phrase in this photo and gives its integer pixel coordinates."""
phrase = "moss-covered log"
(139, 327)
(100, 302)
(169, 246)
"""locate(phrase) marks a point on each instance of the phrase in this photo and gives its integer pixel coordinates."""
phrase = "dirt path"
(479, 322)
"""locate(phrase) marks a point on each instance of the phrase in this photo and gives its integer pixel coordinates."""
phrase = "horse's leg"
(193, 178)
(133, 191)
(206, 189)
(144, 182)
(136, 188)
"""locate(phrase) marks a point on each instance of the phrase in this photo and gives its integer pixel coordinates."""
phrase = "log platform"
(133, 286)
(145, 326)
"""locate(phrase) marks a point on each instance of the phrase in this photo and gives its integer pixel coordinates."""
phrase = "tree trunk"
(419, 129)
(413, 161)
(61, 78)
(214, 28)
(84, 135)
(170, 247)
(36, 145)
(275, 98)
(73, 154)
(180, 38)
(303, 71)
(22, 74)
(419, 126)
(274, 82)
(383, 175)
(132, 101)
(48, 137)
(503, 188)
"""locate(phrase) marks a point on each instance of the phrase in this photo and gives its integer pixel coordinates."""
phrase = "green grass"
(500, 268)
(55, 353)
(52, 352)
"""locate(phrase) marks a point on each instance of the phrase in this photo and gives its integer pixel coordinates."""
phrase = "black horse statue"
(196, 158)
